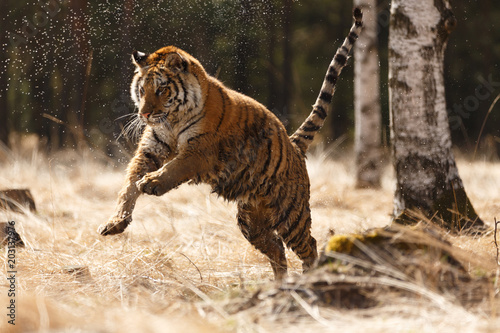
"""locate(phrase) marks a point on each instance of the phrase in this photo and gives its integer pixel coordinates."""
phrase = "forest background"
(65, 65)
(65, 70)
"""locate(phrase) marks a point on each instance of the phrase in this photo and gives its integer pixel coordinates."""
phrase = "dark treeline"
(65, 64)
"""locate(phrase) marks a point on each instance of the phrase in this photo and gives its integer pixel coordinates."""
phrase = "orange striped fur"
(198, 130)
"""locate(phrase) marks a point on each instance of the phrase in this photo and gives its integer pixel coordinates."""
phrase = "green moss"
(341, 243)
(345, 243)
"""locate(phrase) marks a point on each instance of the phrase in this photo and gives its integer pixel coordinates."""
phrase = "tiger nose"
(146, 115)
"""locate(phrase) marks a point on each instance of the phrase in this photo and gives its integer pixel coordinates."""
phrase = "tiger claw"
(150, 185)
(115, 226)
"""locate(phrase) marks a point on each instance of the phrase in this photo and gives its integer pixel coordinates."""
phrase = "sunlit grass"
(183, 256)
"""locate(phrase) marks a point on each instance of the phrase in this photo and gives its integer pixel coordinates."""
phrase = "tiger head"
(167, 84)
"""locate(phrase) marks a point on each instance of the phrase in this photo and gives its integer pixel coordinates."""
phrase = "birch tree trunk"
(426, 173)
(367, 100)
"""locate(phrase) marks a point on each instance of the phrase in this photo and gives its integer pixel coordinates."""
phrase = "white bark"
(426, 173)
(367, 99)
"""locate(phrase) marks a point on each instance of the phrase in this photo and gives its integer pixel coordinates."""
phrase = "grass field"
(182, 265)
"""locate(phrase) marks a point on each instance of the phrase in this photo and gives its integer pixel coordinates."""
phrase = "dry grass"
(183, 262)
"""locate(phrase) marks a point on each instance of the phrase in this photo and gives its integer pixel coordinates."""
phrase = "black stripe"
(284, 217)
(258, 127)
(340, 59)
(258, 133)
(326, 97)
(200, 117)
(358, 23)
(345, 49)
(280, 140)
(299, 233)
(307, 137)
(242, 222)
(304, 250)
(183, 87)
(174, 94)
(294, 225)
(157, 138)
(269, 187)
(223, 109)
(276, 168)
(168, 82)
(309, 126)
(269, 155)
(352, 37)
(320, 112)
(175, 88)
(195, 137)
(331, 78)
(357, 13)
(303, 247)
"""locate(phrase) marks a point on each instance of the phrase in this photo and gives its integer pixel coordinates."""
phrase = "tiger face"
(165, 87)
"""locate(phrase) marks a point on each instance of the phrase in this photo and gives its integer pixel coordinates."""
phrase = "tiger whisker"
(133, 128)
(126, 115)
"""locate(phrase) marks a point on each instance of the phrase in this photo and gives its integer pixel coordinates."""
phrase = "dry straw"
(183, 263)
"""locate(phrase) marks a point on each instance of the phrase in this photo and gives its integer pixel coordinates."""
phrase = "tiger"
(200, 131)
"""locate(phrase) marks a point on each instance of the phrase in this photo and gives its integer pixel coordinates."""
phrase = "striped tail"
(305, 134)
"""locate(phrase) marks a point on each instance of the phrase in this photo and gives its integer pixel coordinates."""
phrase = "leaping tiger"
(198, 130)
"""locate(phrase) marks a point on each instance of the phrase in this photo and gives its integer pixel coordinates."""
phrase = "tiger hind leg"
(297, 236)
(307, 252)
(254, 228)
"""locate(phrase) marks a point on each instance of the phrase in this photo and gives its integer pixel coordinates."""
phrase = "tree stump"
(9, 234)
(15, 199)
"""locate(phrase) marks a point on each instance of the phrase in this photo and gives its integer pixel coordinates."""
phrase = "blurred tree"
(80, 70)
(473, 59)
(4, 129)
(367, 133)
(426, 173)
(286, 102)
(243, 47)
(125, 51)
(270, 24)
(45, 67)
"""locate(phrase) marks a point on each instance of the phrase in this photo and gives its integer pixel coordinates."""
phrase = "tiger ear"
(139, 58)
(175, 62)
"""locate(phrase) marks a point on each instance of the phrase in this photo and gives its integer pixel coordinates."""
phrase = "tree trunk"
(82, 57)
(126, 50)
(243, 49)
(426, 173)
(4, 129)
(286, 103)
(367, 100)
(272, 99)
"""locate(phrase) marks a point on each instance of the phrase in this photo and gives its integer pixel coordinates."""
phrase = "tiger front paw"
(115, 226)
(151, 184)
